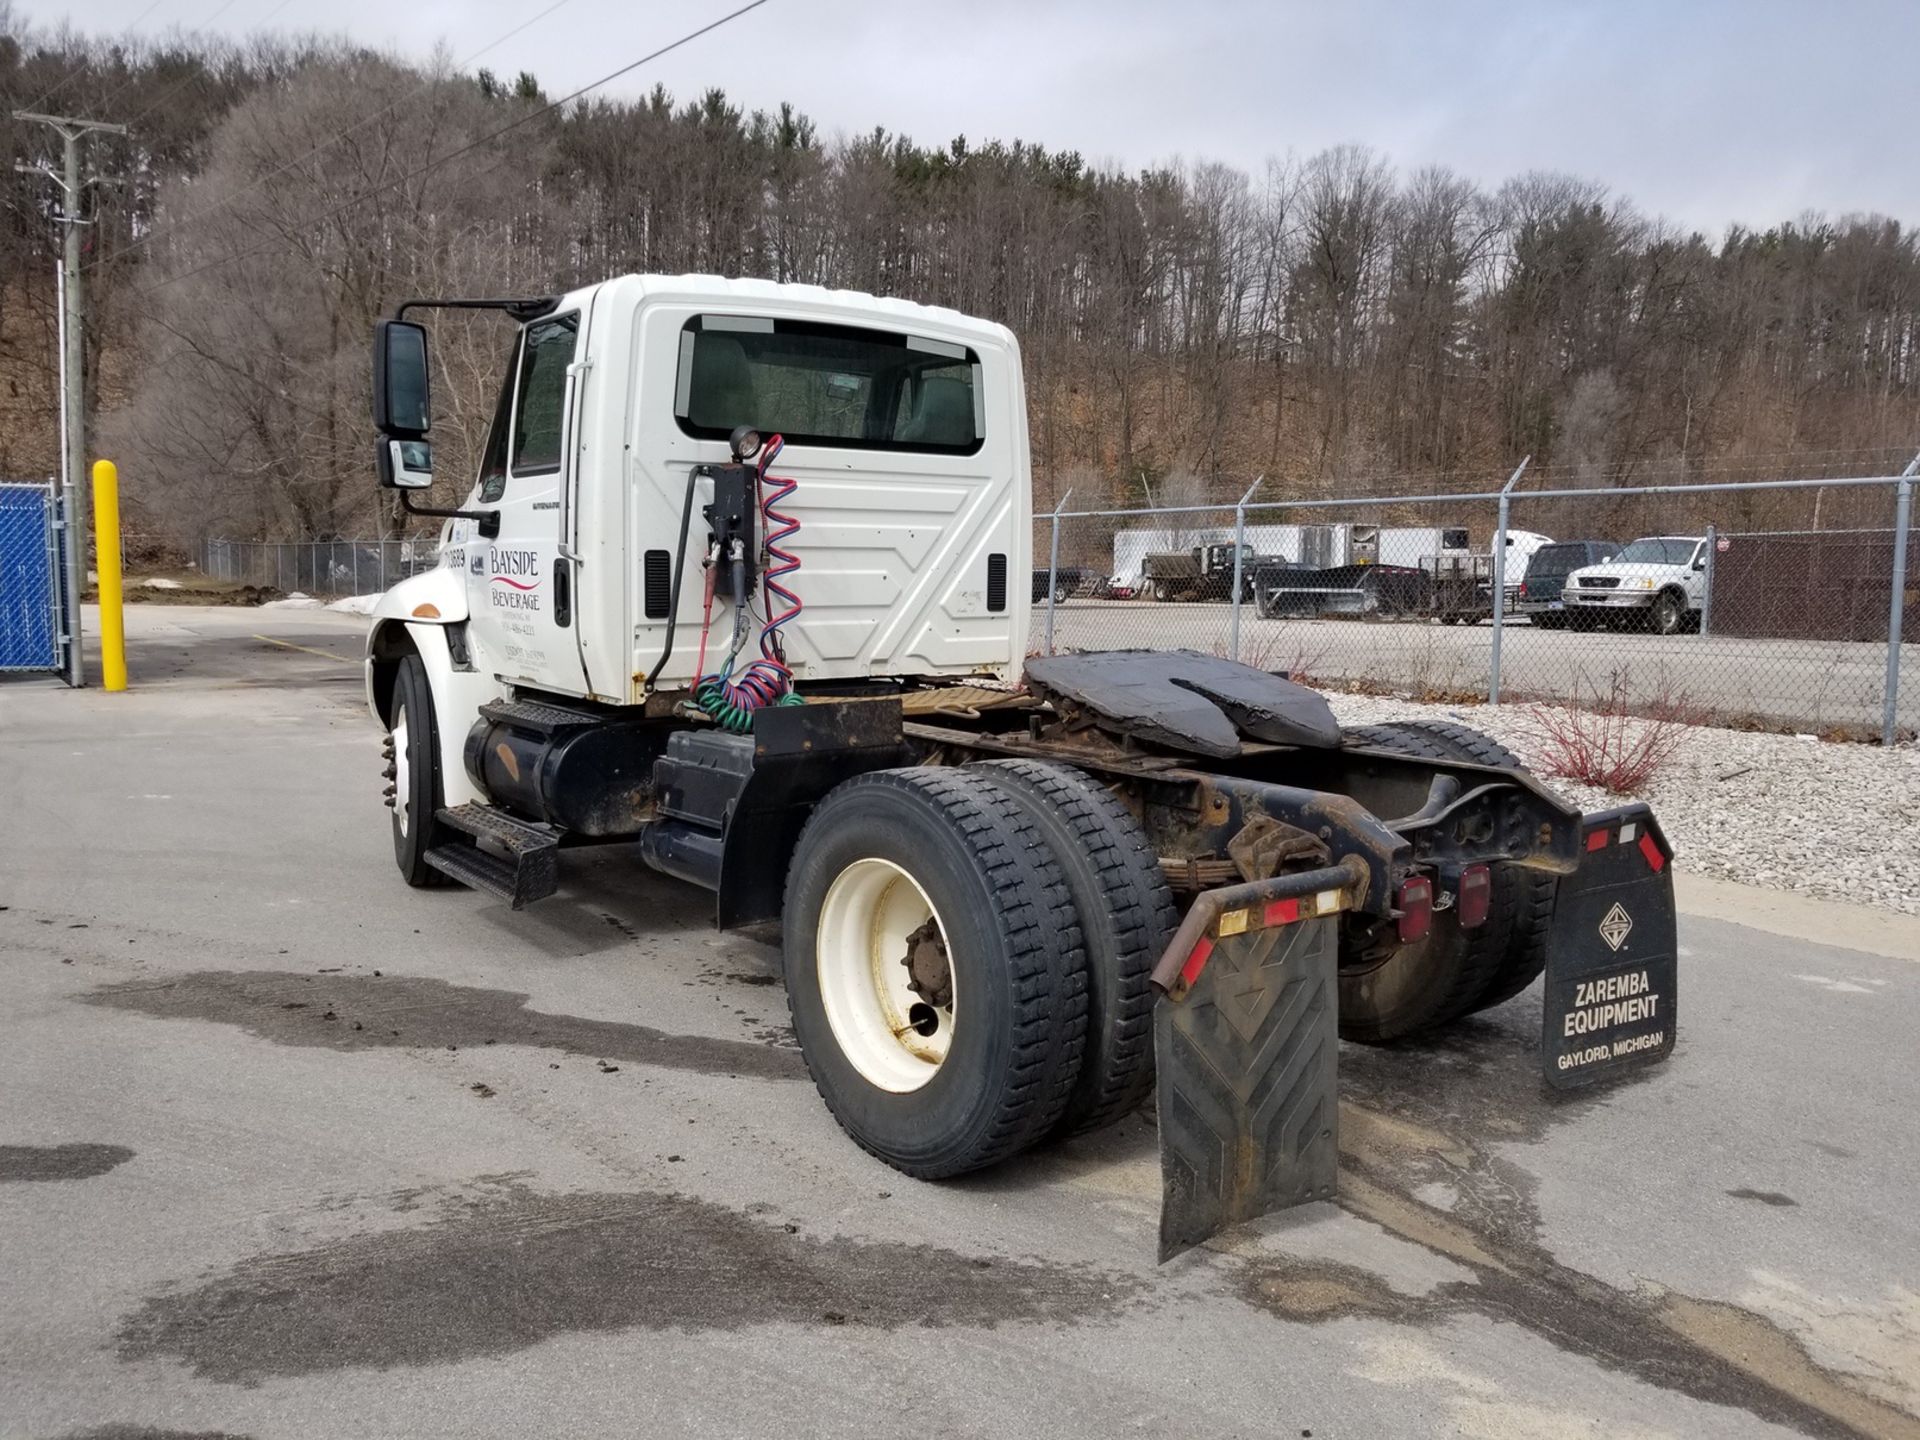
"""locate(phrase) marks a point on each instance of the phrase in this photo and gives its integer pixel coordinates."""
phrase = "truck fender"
(438, 596)
(431, 599)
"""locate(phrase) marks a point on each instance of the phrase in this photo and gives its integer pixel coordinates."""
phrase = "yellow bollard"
(106, 534)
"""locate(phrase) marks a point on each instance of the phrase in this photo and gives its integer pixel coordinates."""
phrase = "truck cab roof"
(767, 297)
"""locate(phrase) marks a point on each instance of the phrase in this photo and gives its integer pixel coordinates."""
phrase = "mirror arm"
(489, 519)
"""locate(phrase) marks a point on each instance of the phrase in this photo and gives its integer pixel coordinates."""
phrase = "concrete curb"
(1799, 917)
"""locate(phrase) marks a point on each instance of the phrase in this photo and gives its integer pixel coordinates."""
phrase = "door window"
(539, 409)
(493, 460)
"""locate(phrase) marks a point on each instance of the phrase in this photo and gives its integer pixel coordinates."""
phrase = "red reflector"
(1597, 840)
(1652, 851)
(1283, 912)
(1197, 961)
(1476, 896)
(1416, 908)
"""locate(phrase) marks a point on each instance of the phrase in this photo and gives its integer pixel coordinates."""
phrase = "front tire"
(413, 746)
(934, 968)
(1669, 613)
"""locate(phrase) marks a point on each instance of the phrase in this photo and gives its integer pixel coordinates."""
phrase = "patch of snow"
(355, 604)
(298, 600)
(160, 582)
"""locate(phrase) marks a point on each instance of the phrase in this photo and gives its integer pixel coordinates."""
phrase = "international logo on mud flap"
(1615, 926)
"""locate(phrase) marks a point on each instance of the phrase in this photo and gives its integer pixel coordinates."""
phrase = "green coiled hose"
(711, 696)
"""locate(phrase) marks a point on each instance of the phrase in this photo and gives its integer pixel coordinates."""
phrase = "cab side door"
(521, 583)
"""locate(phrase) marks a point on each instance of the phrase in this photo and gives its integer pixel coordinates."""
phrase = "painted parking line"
(309, 650)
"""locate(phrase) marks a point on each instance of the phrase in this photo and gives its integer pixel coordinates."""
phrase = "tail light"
(1416, 908)
(1476, 896)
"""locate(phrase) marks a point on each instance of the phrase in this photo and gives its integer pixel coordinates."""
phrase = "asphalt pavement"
(290, 1150)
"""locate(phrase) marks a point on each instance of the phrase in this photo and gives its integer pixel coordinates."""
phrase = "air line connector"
(730, 517)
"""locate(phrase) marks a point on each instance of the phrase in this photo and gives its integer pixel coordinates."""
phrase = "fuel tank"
(590, 774)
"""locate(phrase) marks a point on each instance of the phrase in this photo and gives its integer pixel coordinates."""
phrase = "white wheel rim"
(869, 911)
(401, 789)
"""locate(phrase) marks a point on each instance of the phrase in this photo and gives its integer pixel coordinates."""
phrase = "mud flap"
(1247, 1046)
(1611, 968)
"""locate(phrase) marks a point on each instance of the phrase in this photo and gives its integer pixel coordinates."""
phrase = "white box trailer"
(1322, 546)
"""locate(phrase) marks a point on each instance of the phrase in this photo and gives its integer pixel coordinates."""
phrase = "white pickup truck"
(1656, 583)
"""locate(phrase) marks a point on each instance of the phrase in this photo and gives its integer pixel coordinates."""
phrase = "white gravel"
(1826, 818)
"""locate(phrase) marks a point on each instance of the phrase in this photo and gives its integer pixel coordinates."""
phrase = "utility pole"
(72, 216)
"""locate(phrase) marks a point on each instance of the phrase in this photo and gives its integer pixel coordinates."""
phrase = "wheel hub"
(929, 972)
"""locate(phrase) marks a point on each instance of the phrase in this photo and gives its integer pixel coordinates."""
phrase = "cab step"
(508, 858)
(537, 717)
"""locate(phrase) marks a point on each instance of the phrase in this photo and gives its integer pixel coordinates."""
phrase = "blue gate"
(30, 591)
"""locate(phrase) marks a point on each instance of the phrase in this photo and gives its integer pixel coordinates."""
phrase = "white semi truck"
(736, 588)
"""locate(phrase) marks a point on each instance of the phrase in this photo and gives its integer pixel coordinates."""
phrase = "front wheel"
(934, 967)
(1060, 593)
(413, 771)
(1669, 613)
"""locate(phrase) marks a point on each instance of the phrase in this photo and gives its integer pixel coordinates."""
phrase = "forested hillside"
(1335, 322)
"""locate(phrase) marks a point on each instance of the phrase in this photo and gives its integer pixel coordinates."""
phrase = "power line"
(455, 154)
(327, 144)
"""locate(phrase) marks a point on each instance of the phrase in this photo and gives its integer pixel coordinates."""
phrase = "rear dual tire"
(1049, 910)
(966, 856)
(1389, 990)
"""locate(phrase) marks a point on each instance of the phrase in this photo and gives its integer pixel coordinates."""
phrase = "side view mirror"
(404, 464)
(1699, 562)
(402, 404)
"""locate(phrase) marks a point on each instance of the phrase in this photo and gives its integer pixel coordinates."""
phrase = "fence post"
(1239, 554)
(1897, 606)
(1706, 582)
(1499, 582)
(1053, 564)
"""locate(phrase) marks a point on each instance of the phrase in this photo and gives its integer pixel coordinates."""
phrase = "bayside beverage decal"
(515, 579)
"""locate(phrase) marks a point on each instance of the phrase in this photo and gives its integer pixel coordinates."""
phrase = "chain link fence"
(32, 627)
(1778, 604)
(327, 569)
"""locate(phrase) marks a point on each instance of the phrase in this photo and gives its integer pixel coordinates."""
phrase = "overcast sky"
(1705, 111)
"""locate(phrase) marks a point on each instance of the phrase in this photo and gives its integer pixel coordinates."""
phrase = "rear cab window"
(833, 385)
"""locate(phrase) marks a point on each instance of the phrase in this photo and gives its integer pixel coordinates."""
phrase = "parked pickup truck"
(1656, 583)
